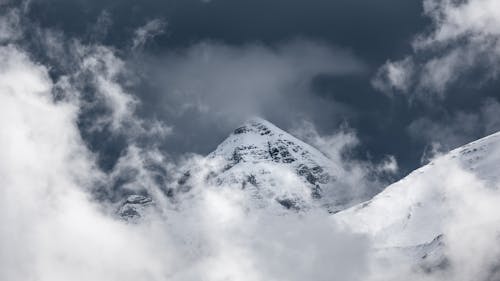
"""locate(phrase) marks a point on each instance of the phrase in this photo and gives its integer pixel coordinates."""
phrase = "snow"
(277, 167)
(415, 210)
(279, 171)
(408, 223)
(274, 168)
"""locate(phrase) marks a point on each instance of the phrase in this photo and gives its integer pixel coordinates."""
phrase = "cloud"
(463, 40)
(465, 219)
(52, 230)
(10, 25)
(451, 200)
(456, 128)
(358, 179)
(148, 31)
(223, 85)
(232, 79)
(239, 244)
(100, 29)
(394, 76)
(55, 229)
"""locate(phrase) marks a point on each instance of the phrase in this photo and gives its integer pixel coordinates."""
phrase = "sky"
(344, 46)
(203, 67)
(103, 99)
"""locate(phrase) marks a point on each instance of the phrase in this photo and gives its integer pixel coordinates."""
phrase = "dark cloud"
(386, 25)
(170, 33)
(209, 88)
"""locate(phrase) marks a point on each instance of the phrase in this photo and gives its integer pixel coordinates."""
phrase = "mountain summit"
(275, 168)
(271, 163)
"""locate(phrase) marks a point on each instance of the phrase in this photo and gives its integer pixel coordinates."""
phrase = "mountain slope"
(442, 220)
(421, 206)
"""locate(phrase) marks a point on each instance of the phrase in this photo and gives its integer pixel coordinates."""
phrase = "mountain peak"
(259, 140)
(264, 158)
(272, 166)
(257, 125)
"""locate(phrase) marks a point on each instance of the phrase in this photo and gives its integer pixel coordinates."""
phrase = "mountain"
(416, 215)
(412, 210)
(274, 167)
(437, 215)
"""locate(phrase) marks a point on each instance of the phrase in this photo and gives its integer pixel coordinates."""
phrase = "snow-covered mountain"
(272, 166)
(421, 222)
(415, 216)
(275, 167)
(413, 210)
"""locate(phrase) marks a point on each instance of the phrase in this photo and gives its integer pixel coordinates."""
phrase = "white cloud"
(464, 38)
(452, 198)
(99, 79)
(394, 76)
(54, 231)
(359, 179)
(51, 229)
(476, 19)
(104, 67)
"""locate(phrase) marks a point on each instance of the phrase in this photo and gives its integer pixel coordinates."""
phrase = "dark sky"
(372, 32)
(375, 31)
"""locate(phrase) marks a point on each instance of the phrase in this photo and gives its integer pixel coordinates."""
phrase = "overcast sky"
(385, 68)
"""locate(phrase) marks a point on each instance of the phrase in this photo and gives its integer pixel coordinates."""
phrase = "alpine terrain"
(416, 216)
(275, 168)
(411, 221)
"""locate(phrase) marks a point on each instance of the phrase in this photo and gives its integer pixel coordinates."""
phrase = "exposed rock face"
(134, 207)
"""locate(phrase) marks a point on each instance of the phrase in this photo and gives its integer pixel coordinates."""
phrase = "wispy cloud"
(147, 32)
(464, 39)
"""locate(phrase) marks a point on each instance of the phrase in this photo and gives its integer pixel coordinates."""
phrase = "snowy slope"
(275, 167)
(417, 209)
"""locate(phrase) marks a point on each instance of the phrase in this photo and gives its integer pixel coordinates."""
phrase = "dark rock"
(316, 192)
(185, 177)
(289, 204)
(241, 130)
